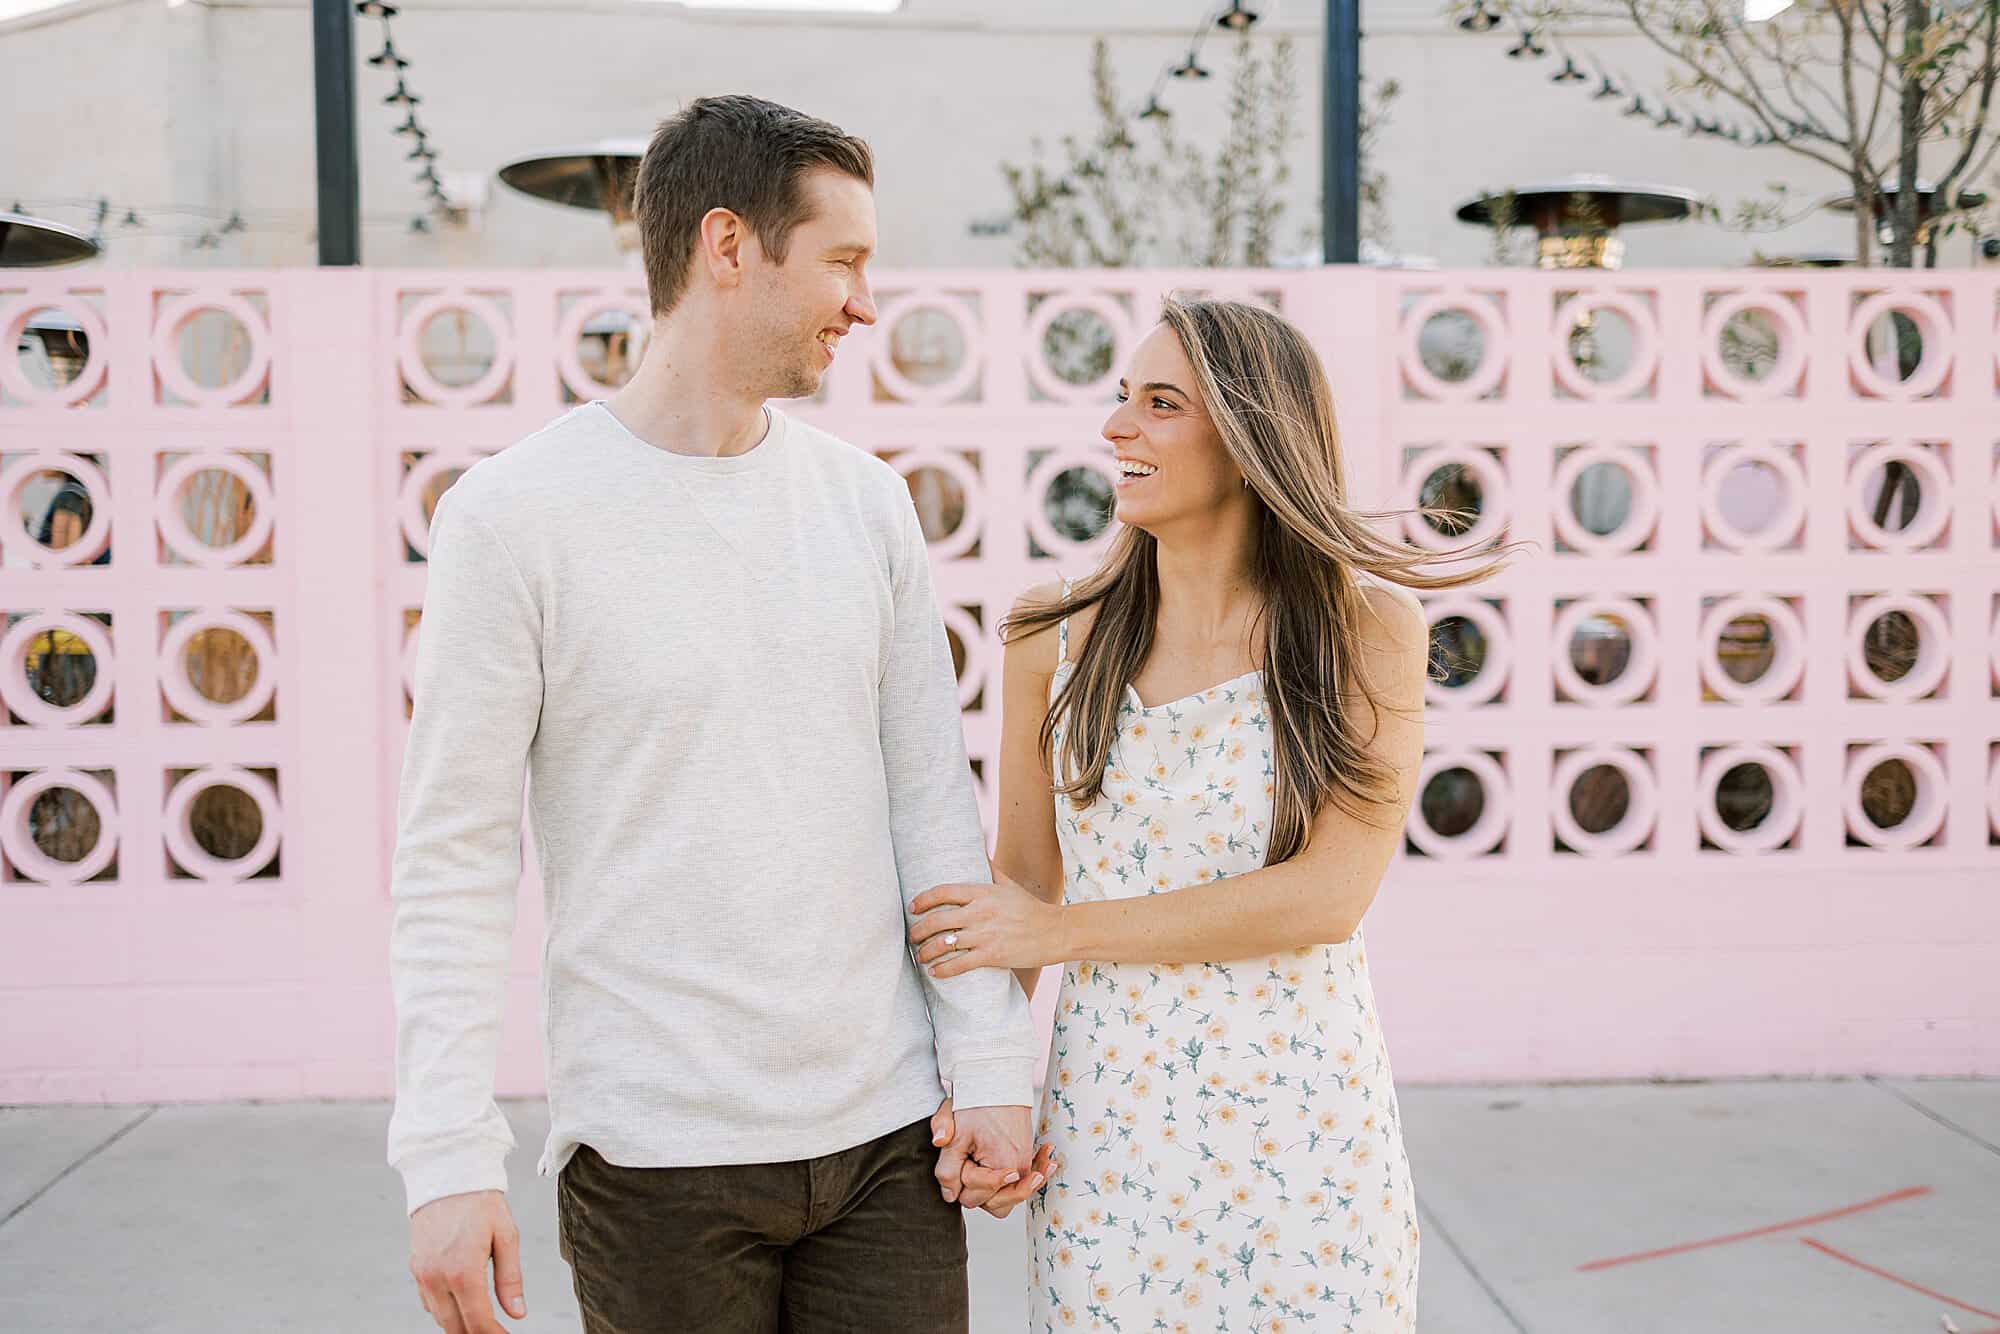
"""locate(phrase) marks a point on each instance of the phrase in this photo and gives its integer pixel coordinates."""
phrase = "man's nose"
(861, 305)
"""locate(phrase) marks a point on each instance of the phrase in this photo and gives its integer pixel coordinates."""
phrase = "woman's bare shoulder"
(1037, 650)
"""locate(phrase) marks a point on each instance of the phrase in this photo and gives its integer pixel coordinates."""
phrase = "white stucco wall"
(210, 104)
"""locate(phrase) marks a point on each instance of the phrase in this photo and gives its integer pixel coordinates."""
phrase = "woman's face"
(1171, 461)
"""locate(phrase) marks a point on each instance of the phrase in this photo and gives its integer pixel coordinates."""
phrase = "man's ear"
(719, 246)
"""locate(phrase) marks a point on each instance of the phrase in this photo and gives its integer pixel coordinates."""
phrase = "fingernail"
(518, 1307)
(949, 1197)
(1012, 1177)
(1036, 1181)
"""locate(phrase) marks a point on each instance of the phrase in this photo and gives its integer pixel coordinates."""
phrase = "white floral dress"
(1229, 1158)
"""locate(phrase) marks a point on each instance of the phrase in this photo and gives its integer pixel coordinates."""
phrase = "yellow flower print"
(1191, 1294)
(1191, 991)
(1226, 1114)
(1205, 875)
(1184, 1225)
(1328, 1120)
(1268, 1236)
(1236, 753)
(1217, 1031)
(1199, 733)
(1084, 827)
(1142, 1088)
(1161, 881)
(1315, 1199)
(1214, 842)
(1363, 1155)
(1139, 731)
(1201, 1265)
(1150, 1059)
(1111, 1053)
(1130, 798)
(1159, 770)
(1224, 1168)
(1067, 1316)
(1267, 1147)
(1109, 1181)
(1241, 1195)
(1176, 1199)
(1326, 1251)
(1157, 1263)
(1095, 1217)
(1065, 1257)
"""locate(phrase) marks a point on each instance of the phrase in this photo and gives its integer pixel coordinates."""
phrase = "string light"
(1236, 18)
(389, 58)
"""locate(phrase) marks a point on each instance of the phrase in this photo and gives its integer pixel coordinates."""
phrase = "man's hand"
(451, 1240)
(995, 1188)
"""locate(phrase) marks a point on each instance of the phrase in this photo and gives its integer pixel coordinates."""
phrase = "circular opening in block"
(1891, 646)
(1601, 498)
(926, 347)
(434, 488)
(214, 348)
(220, 664)
(53, 348)
(1602, 345)
(56, 508)
(1600, 649)
(940, 501)
(1458, 652)
(217, 507)
(609, 346)
(1078, 346)
(1078, 503)
(456, 347)
(1451, 346)
(1599, 798)
(1748, 647)
(1453, 801)
(225, 822)
(1744, 796)
(63, 825)
(60, 668)
(1895, 345)
(1751, 343)
(1889, 794)
(1751, 496)
(1451, 499)
(1892, 494)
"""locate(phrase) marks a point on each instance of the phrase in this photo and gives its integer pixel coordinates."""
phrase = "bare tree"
(1110, 198)
(1863, 88)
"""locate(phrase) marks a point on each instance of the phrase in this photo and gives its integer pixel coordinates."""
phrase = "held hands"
(962, 927)
(984, 1163)
(451, 1240)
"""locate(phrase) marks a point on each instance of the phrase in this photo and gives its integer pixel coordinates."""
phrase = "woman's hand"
(958, 928)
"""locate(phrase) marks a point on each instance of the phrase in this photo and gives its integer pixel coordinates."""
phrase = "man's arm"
(478, 698)
(984, 1032)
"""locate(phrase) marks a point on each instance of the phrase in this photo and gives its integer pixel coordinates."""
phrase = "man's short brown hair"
(739, 153)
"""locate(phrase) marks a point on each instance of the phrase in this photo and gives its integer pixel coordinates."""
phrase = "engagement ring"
(951, 940)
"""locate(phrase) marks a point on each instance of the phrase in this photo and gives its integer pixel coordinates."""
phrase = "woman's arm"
(1028, 852)
(1317, 897)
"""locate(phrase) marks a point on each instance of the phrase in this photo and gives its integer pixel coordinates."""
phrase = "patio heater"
(1576, 219)
(598, 177)
(36, 243)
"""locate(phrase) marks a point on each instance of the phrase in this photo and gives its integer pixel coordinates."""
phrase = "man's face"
(795, 313)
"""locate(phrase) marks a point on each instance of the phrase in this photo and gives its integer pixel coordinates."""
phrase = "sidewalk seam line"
(59, 1177)
(1939, 1117)
(1437, 1225)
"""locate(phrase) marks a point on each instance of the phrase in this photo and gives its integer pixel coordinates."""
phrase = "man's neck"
(684, 398)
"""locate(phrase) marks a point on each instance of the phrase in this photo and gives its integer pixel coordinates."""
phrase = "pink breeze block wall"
(1520, 947)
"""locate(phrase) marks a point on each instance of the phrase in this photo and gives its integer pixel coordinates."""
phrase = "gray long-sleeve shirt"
(728, 686)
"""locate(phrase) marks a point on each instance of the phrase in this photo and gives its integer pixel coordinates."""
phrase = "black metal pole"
(339, 159)
(1341, 137)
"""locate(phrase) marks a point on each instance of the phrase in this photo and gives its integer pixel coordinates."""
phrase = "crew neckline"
(759, 456)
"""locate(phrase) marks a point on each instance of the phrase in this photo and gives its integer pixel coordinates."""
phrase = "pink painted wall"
(1525, 946)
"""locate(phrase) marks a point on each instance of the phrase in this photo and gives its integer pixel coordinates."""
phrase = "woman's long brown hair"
(1264, 389)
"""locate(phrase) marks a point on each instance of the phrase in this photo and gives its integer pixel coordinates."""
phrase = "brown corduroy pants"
(855, 1242)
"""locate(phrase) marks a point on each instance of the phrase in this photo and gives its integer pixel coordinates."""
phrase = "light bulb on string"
(1154, 111)
(1190, 69)
(1236, 18)
(1569, 73)
(387, 56)
(1480, 20)
(402, 96)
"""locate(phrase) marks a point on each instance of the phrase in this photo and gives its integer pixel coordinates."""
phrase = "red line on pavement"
(1907, 1193)
(1825, 1249)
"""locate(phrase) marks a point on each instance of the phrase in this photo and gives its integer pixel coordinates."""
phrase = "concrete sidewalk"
(1843, 1207)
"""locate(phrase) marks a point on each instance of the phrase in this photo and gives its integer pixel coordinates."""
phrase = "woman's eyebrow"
(1154, 385)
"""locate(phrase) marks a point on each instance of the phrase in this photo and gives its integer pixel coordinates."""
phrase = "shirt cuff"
(455, 1172)
(1000, 1081)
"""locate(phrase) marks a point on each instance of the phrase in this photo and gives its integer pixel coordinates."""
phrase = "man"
(707, 631)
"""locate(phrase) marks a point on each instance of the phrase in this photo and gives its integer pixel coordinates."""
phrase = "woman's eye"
(1163, 403)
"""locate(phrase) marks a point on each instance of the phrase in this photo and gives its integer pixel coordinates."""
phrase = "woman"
(1209, 748)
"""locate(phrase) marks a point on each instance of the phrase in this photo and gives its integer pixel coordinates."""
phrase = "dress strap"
(1062, 633)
